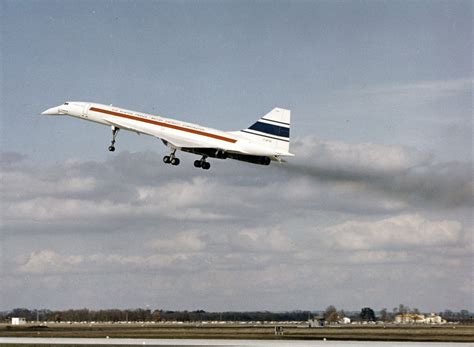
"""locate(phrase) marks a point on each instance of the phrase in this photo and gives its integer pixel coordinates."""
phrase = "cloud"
(326, 175)
(398, 173)
(430, 115)
(248, 233)
(432, 90)
(399, 232)
(11, 158)
(47, 262)
(38, 197)
(364, 159)
(262, 239)
(414, 97)
(46, 186)
(182, 242)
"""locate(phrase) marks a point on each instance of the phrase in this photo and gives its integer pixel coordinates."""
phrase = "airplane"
(265, 141)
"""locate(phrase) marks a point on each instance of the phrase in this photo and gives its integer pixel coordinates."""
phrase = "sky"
(374, 210)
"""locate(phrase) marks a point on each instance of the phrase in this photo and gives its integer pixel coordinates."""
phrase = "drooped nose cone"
(51, 111)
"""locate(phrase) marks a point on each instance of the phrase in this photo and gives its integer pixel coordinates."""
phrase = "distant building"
(409, 318)
(434, 319)
(405, 318)
(316, 322)
(18, 321)
(345, 320)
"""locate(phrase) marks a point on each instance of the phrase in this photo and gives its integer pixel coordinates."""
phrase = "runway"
(209, 342)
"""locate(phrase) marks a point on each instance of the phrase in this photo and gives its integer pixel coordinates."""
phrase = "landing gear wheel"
(175, 161)
(166, 159)
(202, 163)
(115, 131)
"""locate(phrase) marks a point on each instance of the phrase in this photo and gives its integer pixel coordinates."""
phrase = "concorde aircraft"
(266, 140)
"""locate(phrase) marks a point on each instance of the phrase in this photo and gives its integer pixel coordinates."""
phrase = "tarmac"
(217, 342)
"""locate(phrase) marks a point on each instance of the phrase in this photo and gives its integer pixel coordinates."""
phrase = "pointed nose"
(51, 111)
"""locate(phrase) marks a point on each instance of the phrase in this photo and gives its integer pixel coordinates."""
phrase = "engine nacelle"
(221, 154)
(264, 161)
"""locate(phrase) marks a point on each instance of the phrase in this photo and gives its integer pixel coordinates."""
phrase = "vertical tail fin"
(274, 127)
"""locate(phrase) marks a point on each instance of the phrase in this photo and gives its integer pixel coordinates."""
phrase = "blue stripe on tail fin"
(271, 129)
(275, 125)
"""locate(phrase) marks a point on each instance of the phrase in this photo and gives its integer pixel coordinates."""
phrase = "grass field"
(458, 333)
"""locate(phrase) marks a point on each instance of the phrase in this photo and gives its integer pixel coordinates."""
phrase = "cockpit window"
(66, 103)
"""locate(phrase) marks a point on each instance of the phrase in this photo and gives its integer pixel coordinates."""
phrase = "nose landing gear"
(115, 131)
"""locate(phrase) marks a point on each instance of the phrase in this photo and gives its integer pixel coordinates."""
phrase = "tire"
(197, 163)
(206, 165)
(166, 159)
(175, 161)
(111, 148)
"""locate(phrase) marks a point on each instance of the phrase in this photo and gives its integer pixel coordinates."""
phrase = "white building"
(409, 318)
(316, 322)
(434, 319)
(18, 321)
(345, 320)
(419, 318)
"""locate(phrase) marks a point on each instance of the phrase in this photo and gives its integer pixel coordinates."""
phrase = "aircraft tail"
(273, 129)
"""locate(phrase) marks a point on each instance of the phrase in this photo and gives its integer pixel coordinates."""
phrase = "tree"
(383, 315)
(57, 317)
(23, 313)
(156, 315)
(367, 314)
(402, 309)
(448, 314)
(464, 315)
(330, 315)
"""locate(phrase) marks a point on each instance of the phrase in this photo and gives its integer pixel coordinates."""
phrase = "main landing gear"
(171, 159)
(115, 131)
(202, 163)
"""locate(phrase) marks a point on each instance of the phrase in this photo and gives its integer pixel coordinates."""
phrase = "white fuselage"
(266, 140)
(183, 134)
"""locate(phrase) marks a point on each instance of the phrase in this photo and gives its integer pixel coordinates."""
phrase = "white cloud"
(237, 224)
(183, 242)
(367, 178)
(45, 185)
(366, 158)
(11, 158)
(404, 231)
(396, 174)
(262, 239)
(49, 261)
(380, 257)
(423, 89)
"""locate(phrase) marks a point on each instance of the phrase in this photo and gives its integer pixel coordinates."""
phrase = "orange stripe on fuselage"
(171, 126)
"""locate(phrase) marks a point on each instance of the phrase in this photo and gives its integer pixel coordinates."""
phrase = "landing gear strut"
(202, 163)
(171, 159)
(115, 131)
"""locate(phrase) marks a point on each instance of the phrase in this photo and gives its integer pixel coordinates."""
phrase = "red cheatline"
(151, 121)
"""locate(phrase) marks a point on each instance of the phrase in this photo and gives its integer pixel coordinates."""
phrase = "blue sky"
(381, 101)
(225, 64)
